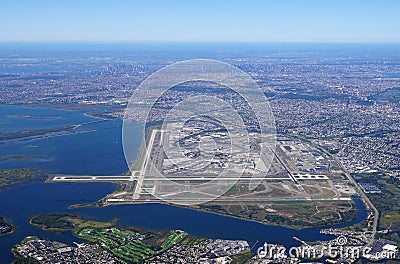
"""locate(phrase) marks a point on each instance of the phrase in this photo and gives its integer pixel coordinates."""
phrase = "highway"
(360, 191)
(364, 195)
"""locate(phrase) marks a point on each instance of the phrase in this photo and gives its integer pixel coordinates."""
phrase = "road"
(360, 191)
(367, 200)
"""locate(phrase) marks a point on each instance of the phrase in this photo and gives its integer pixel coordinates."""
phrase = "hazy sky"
(201, 20)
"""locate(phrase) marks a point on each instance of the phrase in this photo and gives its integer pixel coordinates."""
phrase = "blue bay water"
(99, 152)
(95, 149)
(19, 203)
(16, 118)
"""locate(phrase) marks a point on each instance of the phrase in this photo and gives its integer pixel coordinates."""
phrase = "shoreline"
(100, 203)
(10, 224)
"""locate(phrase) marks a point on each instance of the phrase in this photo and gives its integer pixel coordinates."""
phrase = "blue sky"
(201, 20)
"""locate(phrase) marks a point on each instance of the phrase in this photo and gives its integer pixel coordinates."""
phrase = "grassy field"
(11, 177)
(65, 222)
(131, 243)
(80, 223)
(5, 222)
(387, 202)
(241, 258)
(292, 214)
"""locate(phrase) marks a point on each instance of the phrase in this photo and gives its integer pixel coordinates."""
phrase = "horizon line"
(190, 41)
